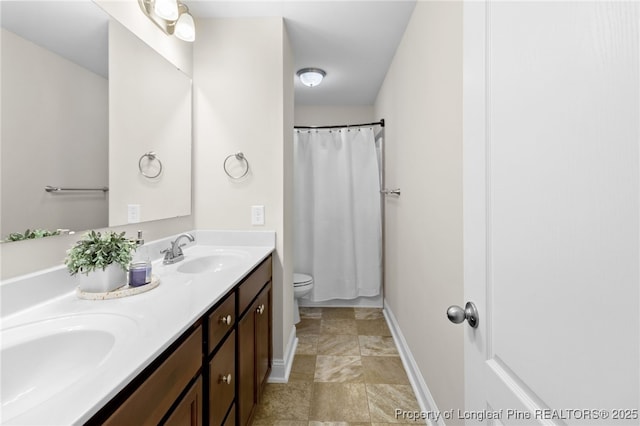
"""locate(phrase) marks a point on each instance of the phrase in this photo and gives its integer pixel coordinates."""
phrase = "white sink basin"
(214, 262)
(43, 358)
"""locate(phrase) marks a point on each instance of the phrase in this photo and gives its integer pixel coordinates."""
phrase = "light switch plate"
(257, 215)
(133, 213)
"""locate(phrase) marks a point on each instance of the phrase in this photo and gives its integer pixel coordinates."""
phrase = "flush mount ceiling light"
(311, 77)
(171, 16)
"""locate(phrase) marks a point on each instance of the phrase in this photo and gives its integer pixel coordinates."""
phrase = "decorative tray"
(123, 291)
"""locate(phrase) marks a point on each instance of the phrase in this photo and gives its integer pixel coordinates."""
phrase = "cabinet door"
(222, 379)
(254, 353)
(231, 418)
(246, 366)
(189, 411)
(263, 338)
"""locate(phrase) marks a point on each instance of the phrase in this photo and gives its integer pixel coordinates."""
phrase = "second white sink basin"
(43, 358)
(217, 261)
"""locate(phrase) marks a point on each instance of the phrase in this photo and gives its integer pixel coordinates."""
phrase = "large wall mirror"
(89, 108)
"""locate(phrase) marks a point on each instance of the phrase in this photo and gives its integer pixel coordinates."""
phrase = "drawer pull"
(225, 379)
(260, 309)
(226, 319)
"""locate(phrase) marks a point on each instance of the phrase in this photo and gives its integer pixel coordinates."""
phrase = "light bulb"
(166, 9)
(185, 27)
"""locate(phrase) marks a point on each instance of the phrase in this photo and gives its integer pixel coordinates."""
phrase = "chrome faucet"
(174, 253)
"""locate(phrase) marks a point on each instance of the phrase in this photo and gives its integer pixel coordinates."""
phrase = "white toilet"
(302, 285)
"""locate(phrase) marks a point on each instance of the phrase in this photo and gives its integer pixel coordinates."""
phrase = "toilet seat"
(300, 280)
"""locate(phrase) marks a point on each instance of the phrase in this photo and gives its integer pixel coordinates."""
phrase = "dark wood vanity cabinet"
(250, 354)
(214, 374)
(254, 342)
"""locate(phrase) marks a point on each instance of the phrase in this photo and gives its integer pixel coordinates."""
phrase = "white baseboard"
(420, 388)
(281, 368)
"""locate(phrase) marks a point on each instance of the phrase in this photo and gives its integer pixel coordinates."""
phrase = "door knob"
(470, 313)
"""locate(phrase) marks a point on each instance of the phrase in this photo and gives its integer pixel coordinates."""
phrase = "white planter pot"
(100, 281)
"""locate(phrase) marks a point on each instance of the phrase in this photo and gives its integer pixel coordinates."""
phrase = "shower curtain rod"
(377, 123)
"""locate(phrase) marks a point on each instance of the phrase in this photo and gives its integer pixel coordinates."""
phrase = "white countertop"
(151, 322)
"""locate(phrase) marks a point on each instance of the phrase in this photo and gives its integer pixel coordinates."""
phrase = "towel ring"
(240, 157)
(151, 156)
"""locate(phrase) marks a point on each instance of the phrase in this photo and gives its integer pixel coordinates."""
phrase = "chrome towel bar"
(386, 191)
(50, 188)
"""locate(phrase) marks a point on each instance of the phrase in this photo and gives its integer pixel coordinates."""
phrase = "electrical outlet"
(133, 213)
(257, 215)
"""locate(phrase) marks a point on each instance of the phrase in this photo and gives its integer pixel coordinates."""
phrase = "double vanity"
(195, 350)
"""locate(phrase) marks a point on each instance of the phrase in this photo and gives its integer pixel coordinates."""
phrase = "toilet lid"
(301, 279)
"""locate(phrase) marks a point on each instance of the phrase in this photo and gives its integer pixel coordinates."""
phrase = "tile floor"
(346, 371)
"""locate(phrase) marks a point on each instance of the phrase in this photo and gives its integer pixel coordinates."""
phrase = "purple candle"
(137, 275)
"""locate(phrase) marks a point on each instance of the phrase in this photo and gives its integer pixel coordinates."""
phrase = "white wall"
(54, 113)
(322, 115)
(27, 256)
(421, 101)
(243, 97)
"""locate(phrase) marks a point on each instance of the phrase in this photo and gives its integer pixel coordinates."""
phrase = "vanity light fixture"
(311, 77)
(171, 16)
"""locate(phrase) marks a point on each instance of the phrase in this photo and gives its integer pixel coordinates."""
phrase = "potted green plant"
(100, 261)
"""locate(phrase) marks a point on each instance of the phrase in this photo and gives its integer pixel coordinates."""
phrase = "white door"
(551, 199)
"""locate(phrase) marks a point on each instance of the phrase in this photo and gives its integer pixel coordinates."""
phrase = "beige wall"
(54, 112)
(243, 97)
(23, 257)
(322, 115)
(421, 101)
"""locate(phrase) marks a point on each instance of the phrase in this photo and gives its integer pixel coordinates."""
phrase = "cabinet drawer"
(252, 285)
(149, 403)
(222, 380)
(219, 323)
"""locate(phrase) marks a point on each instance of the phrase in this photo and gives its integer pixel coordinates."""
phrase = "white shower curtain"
(337, 212)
